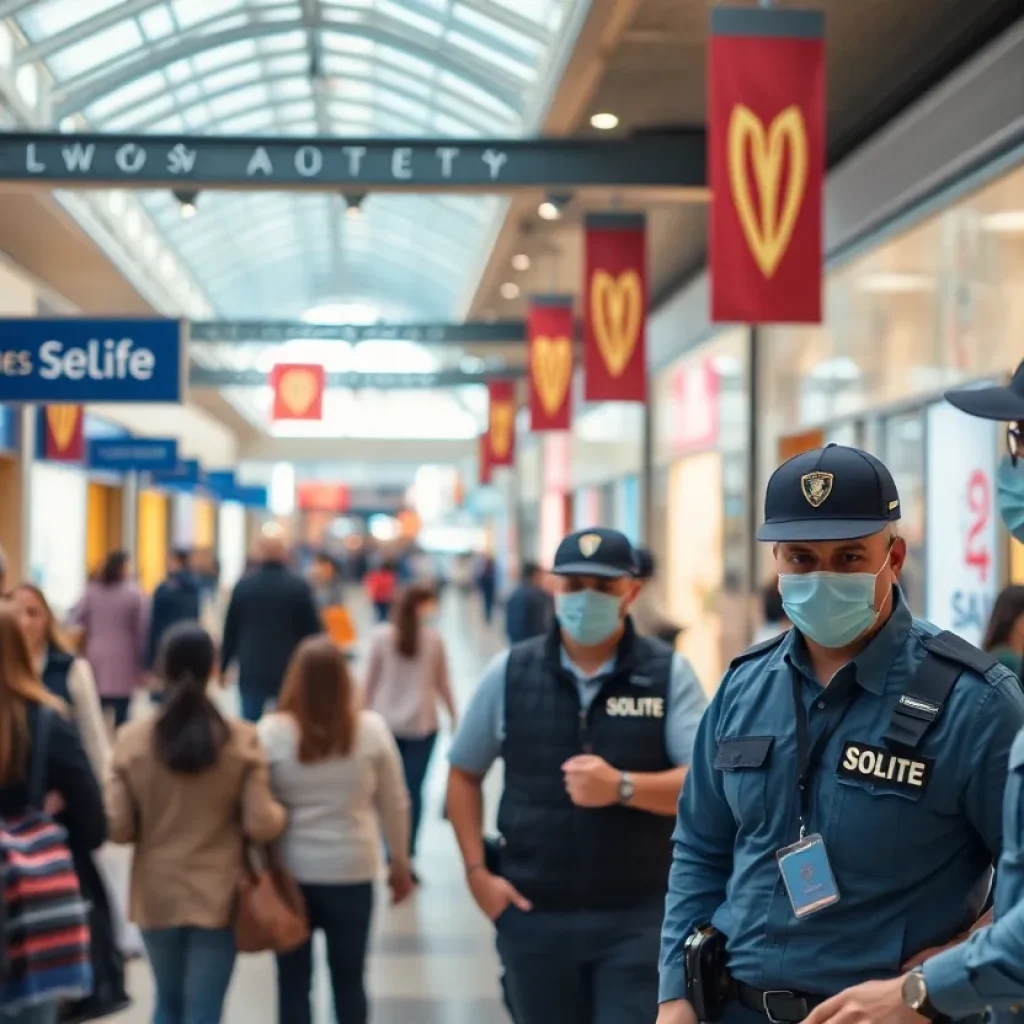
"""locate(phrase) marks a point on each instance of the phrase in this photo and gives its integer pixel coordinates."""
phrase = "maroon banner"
(486, 470)
(549, 331)
(766, 164)
(298, 391)
(501, 428)
(615, 308)
(65, 433)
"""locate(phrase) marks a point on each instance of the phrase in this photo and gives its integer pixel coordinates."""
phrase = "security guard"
(986, 971)
(595, 725)
(843, 807)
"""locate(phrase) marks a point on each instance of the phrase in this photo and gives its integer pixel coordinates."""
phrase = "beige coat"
(188, 830)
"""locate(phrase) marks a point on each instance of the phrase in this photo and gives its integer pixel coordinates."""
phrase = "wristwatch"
(626, 788)
(915, 995)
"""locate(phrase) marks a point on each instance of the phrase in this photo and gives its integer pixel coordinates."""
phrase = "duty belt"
(780, 1006)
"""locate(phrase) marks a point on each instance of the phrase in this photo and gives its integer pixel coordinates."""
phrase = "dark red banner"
(549, 330)
(615, 308)
(486, 472)
(766, 164)
(314, 496)
(502, 423)
(65, 433)
(298, 391)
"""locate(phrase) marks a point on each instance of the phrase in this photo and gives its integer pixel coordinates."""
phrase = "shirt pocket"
(743, 762)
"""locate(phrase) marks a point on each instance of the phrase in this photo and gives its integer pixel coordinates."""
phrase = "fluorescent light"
(1006, 222)
(510, 290)
(549, 210)
(521, 261)
(896, 284)
(605, 122)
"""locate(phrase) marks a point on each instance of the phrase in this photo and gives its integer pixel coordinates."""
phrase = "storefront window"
(904, 454)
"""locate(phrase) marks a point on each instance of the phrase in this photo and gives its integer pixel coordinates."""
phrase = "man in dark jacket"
(271, 611)
(176, 600)
(530, 609)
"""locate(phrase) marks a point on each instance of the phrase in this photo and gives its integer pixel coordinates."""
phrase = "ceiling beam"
(260, 332)
(200, 378)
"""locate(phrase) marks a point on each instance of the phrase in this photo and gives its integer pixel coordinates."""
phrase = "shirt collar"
(873, 663)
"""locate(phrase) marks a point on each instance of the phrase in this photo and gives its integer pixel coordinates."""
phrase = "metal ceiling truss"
(200, 378)
(262, 332)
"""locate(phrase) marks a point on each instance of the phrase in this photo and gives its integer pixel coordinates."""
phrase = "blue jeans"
(415, 761)
(192, 968)
(252, 705)
(120, 705)
(591, 966)
(45, 1013)
(342, 913)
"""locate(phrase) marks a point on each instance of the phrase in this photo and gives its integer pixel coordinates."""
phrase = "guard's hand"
(494, 894)
(591, 781)
(875, 1002)
(678, 1011)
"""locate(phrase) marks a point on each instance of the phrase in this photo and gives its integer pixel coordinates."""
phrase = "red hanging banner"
(298, 391)
(502, 423)
(766, 164)
(485, 460)
(615, 308)
(549, 330)
(65, 433)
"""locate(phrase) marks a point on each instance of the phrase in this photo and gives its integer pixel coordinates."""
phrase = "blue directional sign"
(222, 484)
(186, 475)
(77, 361)
(252, 497)
(156, 454)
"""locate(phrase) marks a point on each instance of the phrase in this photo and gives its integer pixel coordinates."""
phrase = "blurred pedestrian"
(773, 613)
(487, 581)
(648, 613)
(530, 609)
(337, 772)
(1004, 635)
(177, 599)
(381, 583)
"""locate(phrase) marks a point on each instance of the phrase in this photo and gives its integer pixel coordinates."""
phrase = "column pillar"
(130, 515)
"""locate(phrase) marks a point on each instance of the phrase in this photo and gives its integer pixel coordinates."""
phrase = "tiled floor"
(433, 958)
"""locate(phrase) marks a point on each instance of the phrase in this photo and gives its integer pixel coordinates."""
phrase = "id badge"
(807, 875)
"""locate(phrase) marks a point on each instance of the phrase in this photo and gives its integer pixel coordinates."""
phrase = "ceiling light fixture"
(887, 283)
(1006, 222)
(549, 210)
(520, 261)
(604, 121)
(189, 203)
(354, 203)
(510, 290)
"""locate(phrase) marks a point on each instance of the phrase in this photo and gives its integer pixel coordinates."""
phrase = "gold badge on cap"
(816, 487)
(589, 543)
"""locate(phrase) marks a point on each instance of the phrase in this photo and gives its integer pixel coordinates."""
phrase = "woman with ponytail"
(188, 788)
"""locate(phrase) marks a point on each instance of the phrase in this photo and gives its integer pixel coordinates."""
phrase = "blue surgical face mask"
(588, 616)
(831, 608)
(1010, 496)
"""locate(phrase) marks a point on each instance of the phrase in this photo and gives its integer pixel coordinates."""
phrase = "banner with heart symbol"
(615, 308)
(766, 164)
(550, 330)
(486, 469)
(64, 433)
(502, 423)
(298, 391)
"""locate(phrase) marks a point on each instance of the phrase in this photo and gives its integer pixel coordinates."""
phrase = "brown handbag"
(271, 913)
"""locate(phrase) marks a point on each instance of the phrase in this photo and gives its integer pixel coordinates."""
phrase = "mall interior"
(414, 175)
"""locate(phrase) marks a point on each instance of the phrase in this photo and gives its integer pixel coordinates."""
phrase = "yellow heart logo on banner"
(62, 420)
(299, 390)
(616, 306)
(502, 421)
(551, 366)
(768, 229)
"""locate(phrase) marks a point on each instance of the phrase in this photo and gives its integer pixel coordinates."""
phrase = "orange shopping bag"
(339, 626)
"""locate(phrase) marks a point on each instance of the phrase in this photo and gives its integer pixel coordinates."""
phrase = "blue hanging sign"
(76, 361)
(186, 475)
(8, 429)
(222, 484)
(157, 454)
(251, 497)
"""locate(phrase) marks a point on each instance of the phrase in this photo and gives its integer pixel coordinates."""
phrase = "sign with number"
(962, 570)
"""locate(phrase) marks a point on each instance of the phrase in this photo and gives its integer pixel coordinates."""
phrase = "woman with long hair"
(336, 770)
(406, 680)
(112, 615)
(189, 788)
(73, 794)
(1004, 637)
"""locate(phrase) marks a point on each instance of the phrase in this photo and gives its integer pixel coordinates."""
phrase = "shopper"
(381, 584)
(189, 788)
(530, 608)
(112, 615)
(337, 772)
(773, 613)
(1004, 636)
(40, 748)
(177, 599)
(648, 612)
(406, 680)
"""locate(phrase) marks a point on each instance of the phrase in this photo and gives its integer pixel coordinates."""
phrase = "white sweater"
(337, 808)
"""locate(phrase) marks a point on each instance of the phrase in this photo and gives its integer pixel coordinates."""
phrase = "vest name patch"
(882, 767)
(636, 707)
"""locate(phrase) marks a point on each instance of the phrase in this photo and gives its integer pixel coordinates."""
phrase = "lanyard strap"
(807, 757)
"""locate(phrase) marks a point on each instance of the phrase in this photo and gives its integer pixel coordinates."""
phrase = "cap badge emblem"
(589, 543)
(816, 487)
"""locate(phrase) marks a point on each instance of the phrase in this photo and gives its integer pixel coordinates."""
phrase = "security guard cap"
(596, 552)
(831, 493)
(998, 403)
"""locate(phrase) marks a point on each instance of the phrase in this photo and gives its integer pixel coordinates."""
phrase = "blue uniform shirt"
(912, 866)
(481, 733)
(988, 970)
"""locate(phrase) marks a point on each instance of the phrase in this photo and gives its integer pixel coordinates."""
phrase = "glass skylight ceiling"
(369, 68)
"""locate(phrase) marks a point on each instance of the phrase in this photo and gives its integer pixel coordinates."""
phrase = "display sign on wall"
(74, 361)
(298, 391)
(63, 433)
(694, 407)
(550, 329)
(158, 454)
(615, 308)
(962, 568)
(502, 423)
(766, 164)
(314, 496)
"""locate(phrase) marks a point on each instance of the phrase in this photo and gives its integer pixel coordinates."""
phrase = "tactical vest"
(55, 675)
(563, 857)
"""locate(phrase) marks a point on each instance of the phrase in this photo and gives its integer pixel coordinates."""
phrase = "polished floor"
(432, 959)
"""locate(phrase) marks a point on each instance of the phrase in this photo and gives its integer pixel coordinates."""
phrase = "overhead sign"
(63, 433)
(68, 361)
(252, 497)
(317, 496)
(187, 474)
(494, 165)
(551, 362)
(234, 332)
(298, 391)
(222, 483)
(122, 455)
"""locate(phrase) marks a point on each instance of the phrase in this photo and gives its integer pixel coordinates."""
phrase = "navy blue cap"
(595, 552)
(831, 493)
(998, 403)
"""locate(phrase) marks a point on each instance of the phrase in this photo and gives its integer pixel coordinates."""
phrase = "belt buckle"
(766, 996)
